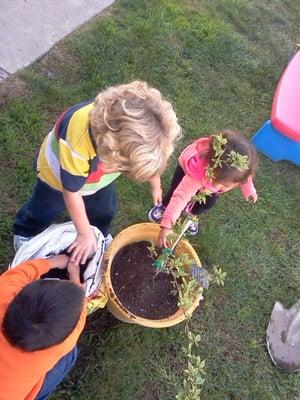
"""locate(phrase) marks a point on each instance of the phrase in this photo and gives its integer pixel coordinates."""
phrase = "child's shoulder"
(201, 145)
(72, 126)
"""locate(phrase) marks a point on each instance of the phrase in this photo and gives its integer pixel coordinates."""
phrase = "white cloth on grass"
(55, 240)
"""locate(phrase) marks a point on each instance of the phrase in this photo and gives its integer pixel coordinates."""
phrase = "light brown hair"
(135, 129)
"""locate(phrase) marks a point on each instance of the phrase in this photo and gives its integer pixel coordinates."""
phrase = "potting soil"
(138, 286)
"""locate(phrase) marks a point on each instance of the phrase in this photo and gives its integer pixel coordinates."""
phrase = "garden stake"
(166, 253)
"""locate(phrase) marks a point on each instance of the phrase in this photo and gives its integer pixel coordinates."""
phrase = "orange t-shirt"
(22, 373)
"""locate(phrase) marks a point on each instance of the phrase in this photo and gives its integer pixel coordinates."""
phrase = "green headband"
(234, 159)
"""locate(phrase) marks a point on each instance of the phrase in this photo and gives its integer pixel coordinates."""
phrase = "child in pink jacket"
(204, 170)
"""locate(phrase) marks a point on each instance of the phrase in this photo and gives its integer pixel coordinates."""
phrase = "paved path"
(29, 28)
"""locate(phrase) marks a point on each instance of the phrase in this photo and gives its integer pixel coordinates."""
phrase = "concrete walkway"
(29, 28)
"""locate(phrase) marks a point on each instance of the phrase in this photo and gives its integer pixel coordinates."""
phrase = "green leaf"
(236, 160)
(201, 197)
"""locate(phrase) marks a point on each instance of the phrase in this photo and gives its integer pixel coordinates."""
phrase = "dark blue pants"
(57, 374)
(46, 204)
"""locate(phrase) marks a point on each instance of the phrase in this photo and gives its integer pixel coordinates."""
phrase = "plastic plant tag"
(200, 274)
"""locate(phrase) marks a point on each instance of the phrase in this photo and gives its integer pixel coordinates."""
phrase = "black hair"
(43, 314)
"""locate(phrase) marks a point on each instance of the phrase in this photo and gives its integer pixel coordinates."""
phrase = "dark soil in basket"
(138, 286)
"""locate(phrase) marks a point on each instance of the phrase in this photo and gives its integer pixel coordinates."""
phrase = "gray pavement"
(29, 28)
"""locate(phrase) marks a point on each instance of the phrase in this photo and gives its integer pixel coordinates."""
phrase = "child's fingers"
(80, 252)
(76, 255)
(71, 247)
(252, 198)
(85, 255)
(162, 242)
(74, 273)
(158, 199)
(95, 247)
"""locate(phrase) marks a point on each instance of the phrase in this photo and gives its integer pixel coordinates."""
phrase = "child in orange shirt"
(41, 321)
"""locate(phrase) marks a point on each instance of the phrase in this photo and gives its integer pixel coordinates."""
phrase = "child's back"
(40, 323)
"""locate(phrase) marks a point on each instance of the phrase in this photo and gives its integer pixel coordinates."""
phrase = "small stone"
(50, 75)
(3, 74)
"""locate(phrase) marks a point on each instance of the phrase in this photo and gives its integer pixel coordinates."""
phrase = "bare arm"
(156, 191)
(62, 261)
(76, 209)
(86, 240)
(248, 190)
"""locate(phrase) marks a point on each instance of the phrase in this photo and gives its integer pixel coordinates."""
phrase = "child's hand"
(74, 272)
(81, 248)
(253, 197)
(162, 238)
(59, 261)
(156, 190)
(157, 196)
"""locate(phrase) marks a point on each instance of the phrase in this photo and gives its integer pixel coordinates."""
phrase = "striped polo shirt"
(67, 158)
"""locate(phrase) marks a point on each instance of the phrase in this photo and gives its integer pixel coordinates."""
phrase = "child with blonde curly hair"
(128, 129)
(207, 168)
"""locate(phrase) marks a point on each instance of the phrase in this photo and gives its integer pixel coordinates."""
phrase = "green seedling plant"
(194, 374)
(188, 289)
(218, 276)
(201, 197)
(195, 371)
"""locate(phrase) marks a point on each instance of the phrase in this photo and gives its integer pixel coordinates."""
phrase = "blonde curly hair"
(134, 129)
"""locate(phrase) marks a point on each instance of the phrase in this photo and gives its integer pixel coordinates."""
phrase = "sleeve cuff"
(165, 224)
(43, 265)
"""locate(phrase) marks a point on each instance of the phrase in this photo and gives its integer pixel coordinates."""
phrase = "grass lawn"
(218, 61)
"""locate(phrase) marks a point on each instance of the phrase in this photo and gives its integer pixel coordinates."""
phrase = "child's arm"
(248, 189)
(184, 192)
(60, 261)
(14, 279)
(86, 240)
(156, 190)
(74, 273)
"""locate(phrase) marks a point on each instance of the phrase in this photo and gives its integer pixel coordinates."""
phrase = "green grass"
(218, 61)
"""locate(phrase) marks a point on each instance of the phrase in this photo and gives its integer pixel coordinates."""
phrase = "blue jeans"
(57, 374)
(46, 204)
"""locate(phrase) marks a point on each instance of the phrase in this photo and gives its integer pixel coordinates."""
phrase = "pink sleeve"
(248, 188)
(187, 188)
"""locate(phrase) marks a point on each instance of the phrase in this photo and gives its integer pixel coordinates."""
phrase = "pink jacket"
(195, 180)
